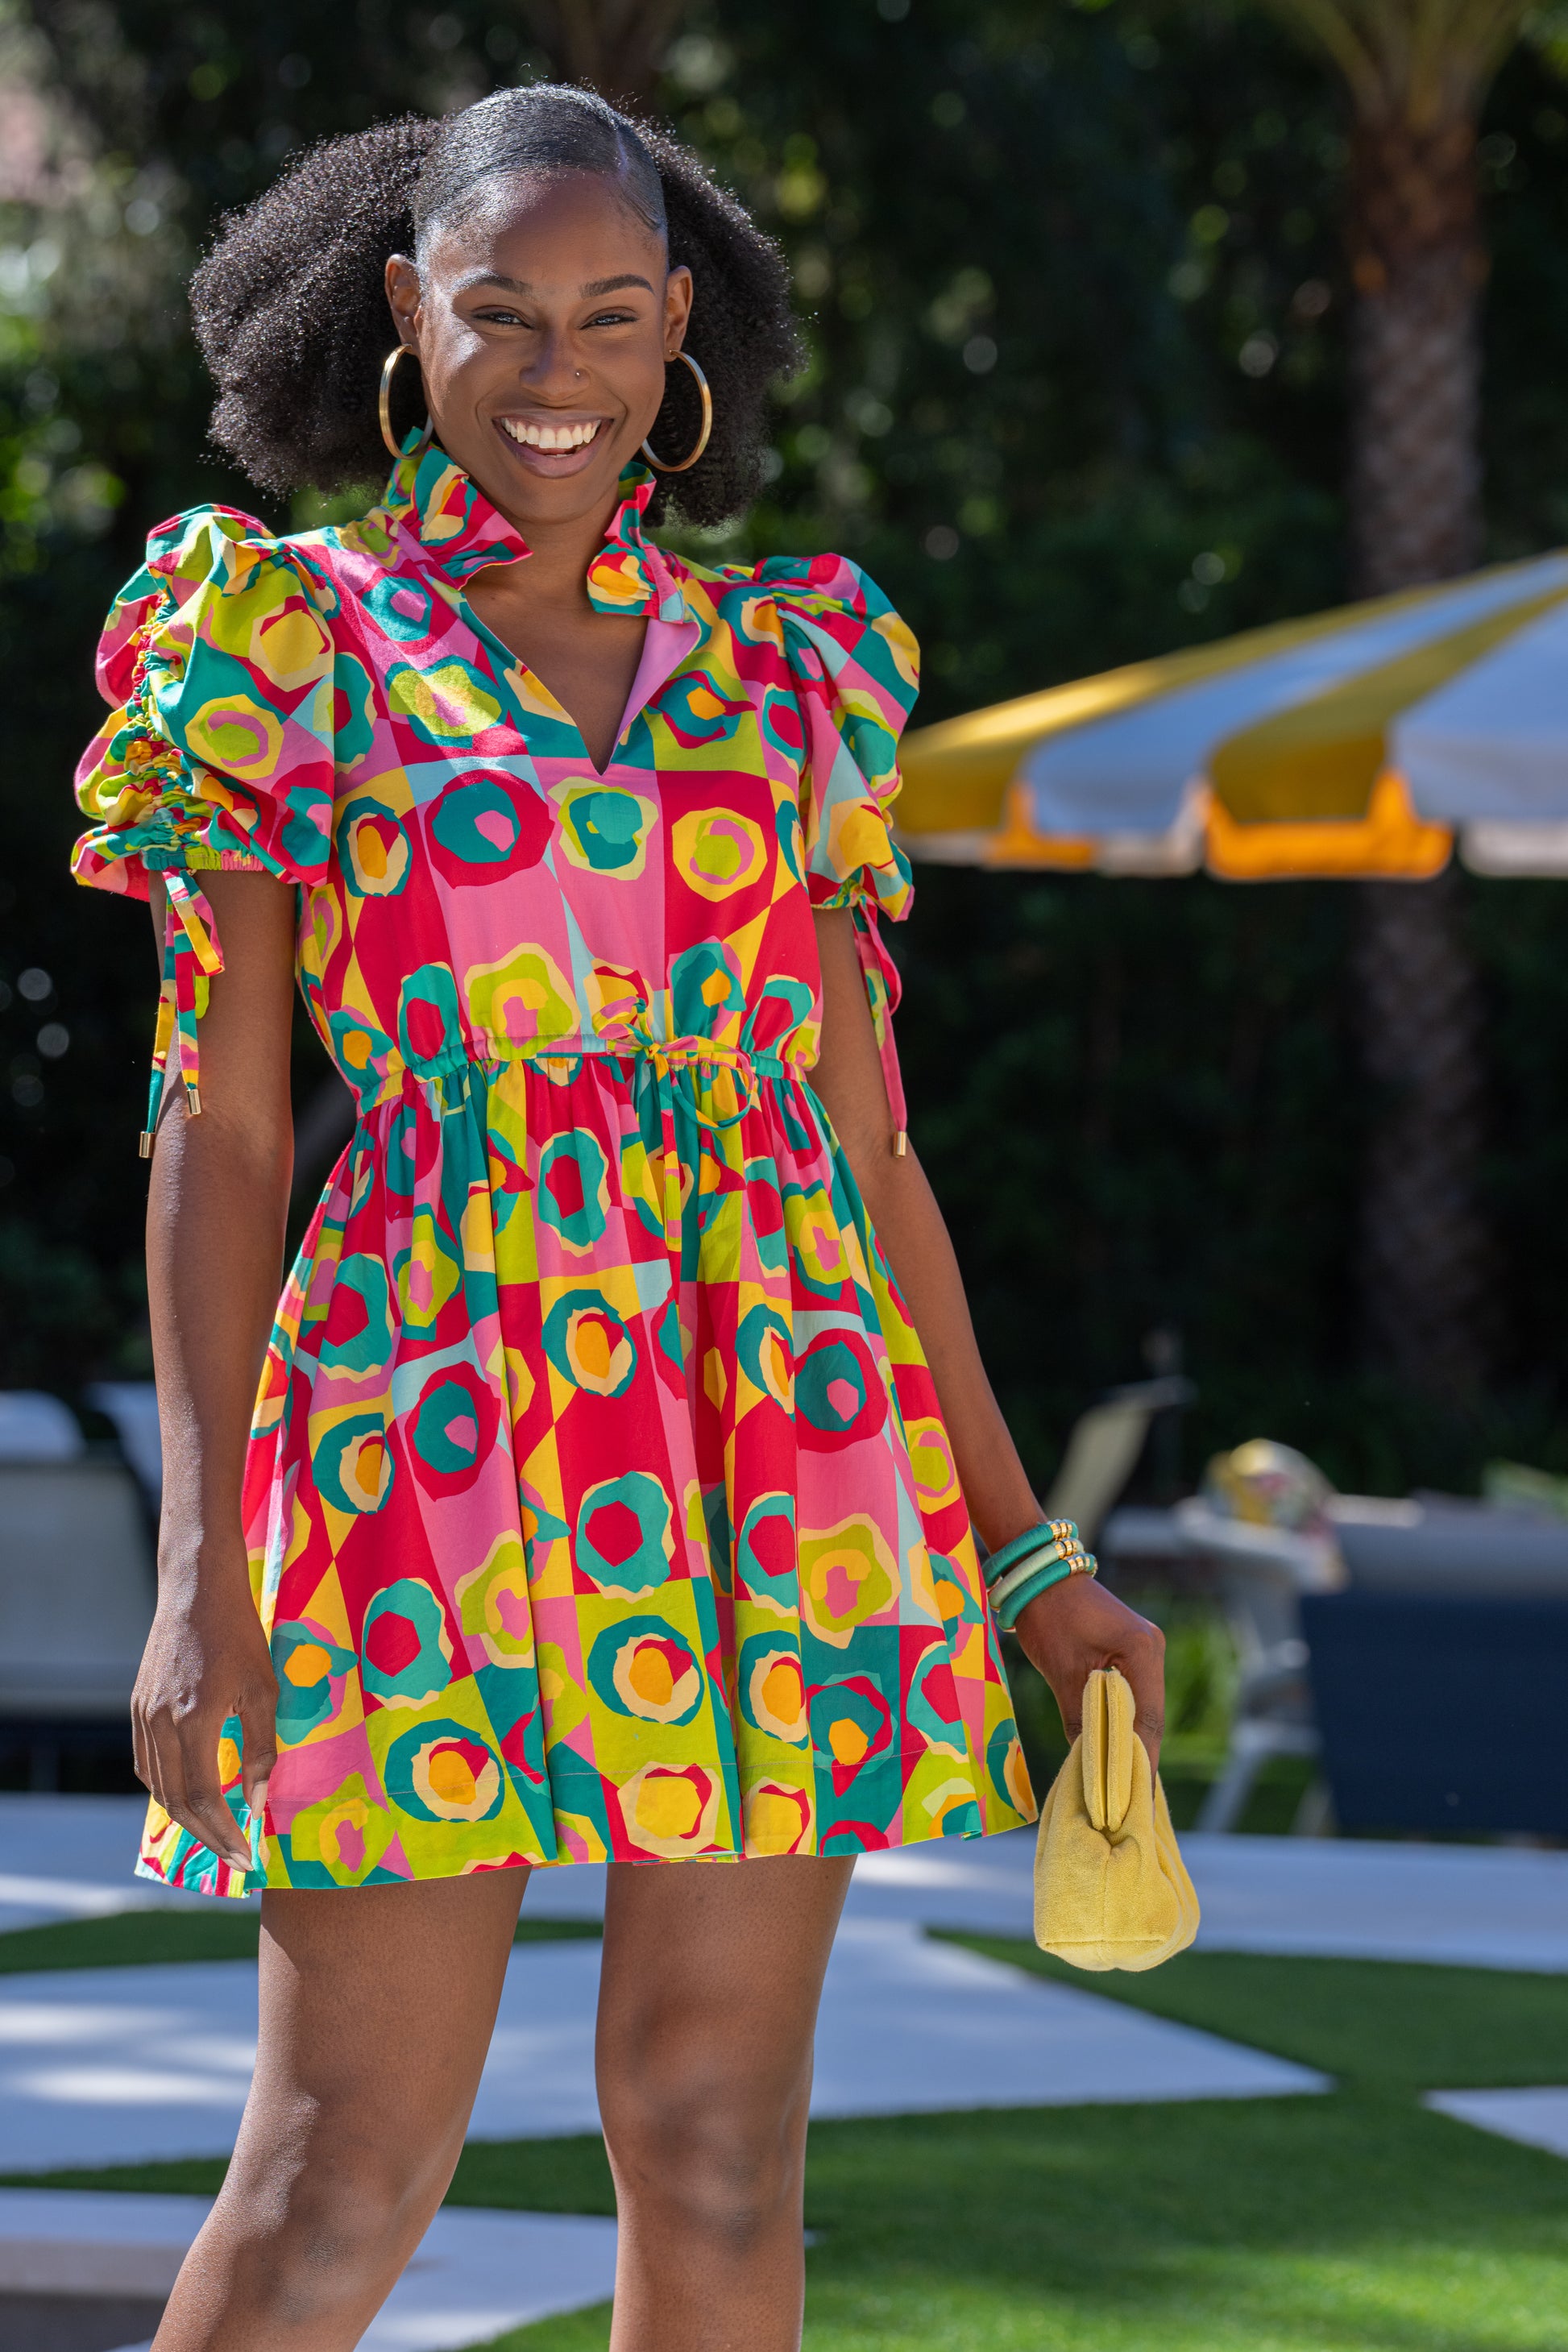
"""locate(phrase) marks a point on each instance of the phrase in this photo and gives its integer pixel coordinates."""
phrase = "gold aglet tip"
(193, 1103)
(901, 1143)
(144, 1147)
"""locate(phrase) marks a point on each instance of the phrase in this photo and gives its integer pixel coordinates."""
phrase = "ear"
(678, 293)
(402, 282)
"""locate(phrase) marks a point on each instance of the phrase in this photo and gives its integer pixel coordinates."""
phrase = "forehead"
(560, 231)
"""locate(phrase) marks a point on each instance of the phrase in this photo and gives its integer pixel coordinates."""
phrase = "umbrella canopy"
(1356, 742)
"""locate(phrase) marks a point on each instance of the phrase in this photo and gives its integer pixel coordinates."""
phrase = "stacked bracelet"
(1021, 1571)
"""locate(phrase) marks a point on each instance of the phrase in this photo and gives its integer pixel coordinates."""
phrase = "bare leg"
(708, 2006)
(376, 2009)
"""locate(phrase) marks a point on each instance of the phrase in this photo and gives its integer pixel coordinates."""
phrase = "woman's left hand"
(1076, 1626)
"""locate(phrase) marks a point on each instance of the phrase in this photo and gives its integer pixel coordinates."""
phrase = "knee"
(706, 2149)
(329, 2236)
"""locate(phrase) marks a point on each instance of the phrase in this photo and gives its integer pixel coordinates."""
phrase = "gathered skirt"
(599, 1504)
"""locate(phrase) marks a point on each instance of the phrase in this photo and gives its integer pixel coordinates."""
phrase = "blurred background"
(1081, 285)
(1133, 324)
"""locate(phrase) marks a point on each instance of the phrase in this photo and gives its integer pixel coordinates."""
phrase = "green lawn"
(146, 1938)
(1354, 2223)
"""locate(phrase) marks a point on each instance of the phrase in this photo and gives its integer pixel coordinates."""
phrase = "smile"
(558, 438)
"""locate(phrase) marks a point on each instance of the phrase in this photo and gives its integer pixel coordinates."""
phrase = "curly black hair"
(291, 314)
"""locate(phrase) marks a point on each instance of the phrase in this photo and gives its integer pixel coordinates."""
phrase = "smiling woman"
(606, 1496)
(296, 356)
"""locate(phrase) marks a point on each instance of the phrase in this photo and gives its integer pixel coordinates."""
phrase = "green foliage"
(1076, 304)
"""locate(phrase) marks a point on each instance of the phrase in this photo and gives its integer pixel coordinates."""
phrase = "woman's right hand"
(207, 1659)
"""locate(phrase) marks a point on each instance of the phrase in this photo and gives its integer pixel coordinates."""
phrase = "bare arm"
(215, 1217)
(1077, 1625)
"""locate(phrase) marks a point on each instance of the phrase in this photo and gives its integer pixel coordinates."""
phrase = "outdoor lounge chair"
(1103, 1447)
(77, 1590)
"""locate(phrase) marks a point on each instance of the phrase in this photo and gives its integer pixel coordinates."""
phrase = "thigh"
(713, 1973)
(377, 2004)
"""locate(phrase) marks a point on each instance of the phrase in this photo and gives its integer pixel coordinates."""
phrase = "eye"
(613, 318)
(501, 317)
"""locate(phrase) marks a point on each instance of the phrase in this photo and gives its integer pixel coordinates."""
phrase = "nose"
(552, 368)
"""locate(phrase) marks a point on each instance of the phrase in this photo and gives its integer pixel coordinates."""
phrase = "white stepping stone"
(1481, 1907)
(475, 2276)
(1463, 1906)
(1476, 1906)
(1536, 2118)
(127, 2065)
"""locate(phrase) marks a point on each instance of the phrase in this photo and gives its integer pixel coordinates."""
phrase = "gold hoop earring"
(706, 398)
(388, 370)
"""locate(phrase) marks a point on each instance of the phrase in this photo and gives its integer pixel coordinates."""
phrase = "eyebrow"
(521, 286)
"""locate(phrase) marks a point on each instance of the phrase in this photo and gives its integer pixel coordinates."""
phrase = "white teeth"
(549, 436)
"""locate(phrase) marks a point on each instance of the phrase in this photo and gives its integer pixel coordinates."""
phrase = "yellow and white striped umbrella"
(1358, 743)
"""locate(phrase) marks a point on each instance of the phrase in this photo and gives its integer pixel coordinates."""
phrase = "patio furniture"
(1103, 1447)
(1442, 1712)
(36, 1427)
(77, 1590)
(132, 1407)
(1437, 1544)
(1261, 1574)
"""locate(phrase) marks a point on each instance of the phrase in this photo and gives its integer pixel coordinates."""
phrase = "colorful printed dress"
(598, 1500)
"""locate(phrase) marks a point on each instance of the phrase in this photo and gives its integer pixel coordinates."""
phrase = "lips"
(552, 444)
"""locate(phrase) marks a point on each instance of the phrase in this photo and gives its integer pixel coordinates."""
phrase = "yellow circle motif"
(778, 1819)
(930, 1459)
(717, 853)
(235, 735)
(446, 701)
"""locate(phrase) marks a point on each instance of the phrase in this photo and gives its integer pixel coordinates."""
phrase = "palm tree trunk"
(615, 46)
(1419, 265)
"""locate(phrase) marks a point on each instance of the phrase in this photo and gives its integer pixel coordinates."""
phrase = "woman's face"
(542, 328)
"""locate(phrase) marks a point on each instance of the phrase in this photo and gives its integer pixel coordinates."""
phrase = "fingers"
(259, 1750)
(1145, 1668)
(183, 1775)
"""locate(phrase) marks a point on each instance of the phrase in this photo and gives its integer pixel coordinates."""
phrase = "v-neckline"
(665, 646)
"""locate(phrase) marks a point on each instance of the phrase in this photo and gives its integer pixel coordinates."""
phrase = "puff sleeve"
(218, 751)
(855, 666)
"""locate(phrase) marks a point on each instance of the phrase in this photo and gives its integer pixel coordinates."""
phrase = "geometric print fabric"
(598, 1500)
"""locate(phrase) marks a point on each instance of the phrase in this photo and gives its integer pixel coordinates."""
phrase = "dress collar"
(462, 531)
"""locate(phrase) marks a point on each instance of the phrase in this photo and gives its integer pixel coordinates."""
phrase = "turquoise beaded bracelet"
(1021, 1571)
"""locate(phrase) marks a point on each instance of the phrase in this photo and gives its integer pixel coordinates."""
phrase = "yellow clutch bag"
(1111, 1890)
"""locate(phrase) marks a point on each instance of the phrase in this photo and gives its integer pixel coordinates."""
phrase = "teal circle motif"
(352, 1463)
(403, 1656)
(606, 828)
(429, 1019)
(571, 1187)
(353, 710)
(305, 1694)
(624, 1533)
(781, 1583)
(477, 823)
(363, 1323)
(402, 609)
(610, 1649)
(704, 988)
(561, 1335)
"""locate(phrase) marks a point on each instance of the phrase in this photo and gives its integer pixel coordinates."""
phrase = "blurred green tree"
(1073, 286)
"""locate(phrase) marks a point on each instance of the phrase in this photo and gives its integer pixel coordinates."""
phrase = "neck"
(559, 556)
